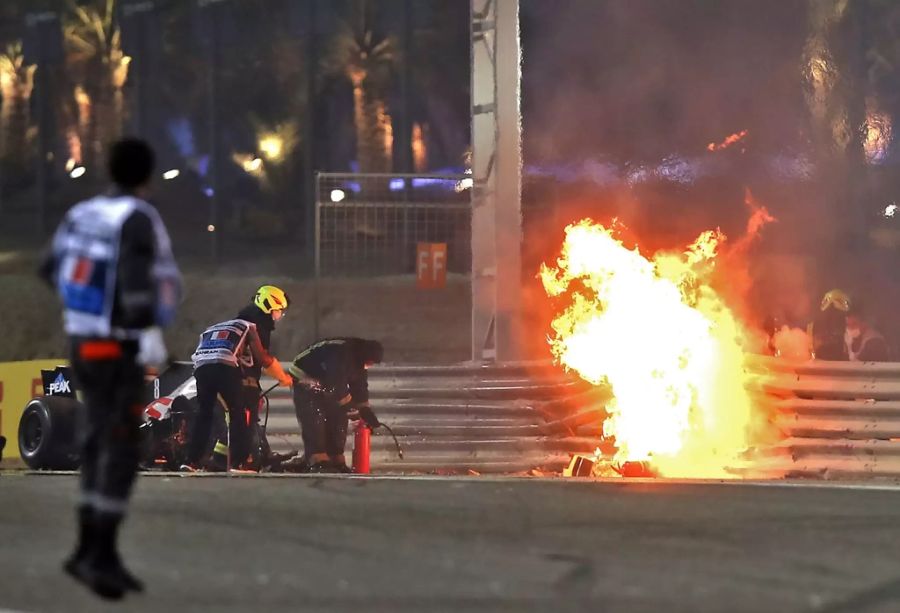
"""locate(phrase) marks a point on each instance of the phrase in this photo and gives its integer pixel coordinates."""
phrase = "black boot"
(85, 538)
(100, 568)
(104, 582)
(108, 554)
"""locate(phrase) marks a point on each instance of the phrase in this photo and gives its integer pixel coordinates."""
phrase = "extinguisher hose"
(396, 442)
(265, 395)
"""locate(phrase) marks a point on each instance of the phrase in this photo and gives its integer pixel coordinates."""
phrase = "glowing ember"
(734, 138)
(666, 343)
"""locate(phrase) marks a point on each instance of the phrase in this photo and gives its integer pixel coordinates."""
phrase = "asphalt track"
(471, 544)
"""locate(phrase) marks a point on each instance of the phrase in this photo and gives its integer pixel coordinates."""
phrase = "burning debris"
(728, 142)
(582, 465)
(670, 348)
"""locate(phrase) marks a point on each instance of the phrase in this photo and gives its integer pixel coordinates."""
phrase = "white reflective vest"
(225, 343)
(86, 254)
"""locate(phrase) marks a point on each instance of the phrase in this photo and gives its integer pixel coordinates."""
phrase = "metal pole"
(213, 125)
(508, 203)
(44, 129)
(484, 143)
(309, 130)
(405, 136)
(138, 14)
(317, 248)
(37, 24)
(141, 14)
(496, 173)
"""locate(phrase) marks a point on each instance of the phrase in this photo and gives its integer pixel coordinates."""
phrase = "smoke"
(641, 80)
(621, 103)
(792, 344)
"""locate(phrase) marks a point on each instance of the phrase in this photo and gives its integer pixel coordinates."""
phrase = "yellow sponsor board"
(19, 383)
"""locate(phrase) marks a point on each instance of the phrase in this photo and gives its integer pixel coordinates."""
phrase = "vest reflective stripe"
(86, 251)
(224, 343)
(325, 343)
(295, 369)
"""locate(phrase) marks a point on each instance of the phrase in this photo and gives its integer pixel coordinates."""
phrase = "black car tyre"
(47, 433)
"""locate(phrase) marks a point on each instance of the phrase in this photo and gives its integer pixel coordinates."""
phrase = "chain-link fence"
(368, 227)
(371, 224)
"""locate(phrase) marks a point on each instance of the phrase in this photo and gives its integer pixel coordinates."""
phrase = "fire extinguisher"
(362, 447)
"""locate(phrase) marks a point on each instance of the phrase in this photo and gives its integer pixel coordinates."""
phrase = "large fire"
(663, 339)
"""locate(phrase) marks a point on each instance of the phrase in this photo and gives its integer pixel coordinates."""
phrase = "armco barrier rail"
(457, 419)
(837, 419)
(830, 419)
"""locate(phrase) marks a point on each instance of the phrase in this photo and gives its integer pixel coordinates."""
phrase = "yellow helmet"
(837, 299)
(270, 298)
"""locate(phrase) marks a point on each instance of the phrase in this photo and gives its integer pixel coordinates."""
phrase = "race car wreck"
(49, 424)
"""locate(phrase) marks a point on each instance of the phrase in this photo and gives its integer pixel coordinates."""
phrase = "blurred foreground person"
(864, 343)
(830, 324)
(330, 381)
(111, 263)
(226, 353)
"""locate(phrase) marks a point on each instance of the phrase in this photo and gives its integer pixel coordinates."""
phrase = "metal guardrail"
(468, 418)
(832, 419)
(837, 419)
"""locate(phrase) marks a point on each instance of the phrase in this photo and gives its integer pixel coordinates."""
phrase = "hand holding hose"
(368, 416)
(277, 372)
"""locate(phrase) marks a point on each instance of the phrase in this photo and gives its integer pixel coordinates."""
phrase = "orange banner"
(431, 265)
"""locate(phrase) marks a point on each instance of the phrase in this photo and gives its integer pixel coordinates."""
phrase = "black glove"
(368, 416)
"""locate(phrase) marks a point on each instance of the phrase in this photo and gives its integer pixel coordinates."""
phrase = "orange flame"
(732, 276)
(666, 343)
(734, 138)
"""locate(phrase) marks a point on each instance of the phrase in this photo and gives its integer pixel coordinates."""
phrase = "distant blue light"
(182, 136)
(209, 192)
(433, 181)
(396, 185)
(203, 165)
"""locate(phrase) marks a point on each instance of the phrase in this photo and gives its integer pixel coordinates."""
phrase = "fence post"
(317, 243)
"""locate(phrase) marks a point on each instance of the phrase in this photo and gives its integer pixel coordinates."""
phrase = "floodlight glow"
(272, 147)
(465, 184)
(252, 165)
(337, 195)
(171, 174)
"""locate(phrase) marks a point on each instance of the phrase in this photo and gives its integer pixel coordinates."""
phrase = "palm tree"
(836, 91)
(825, 76)
(96, 58)
(16, 85)
(366, 58)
